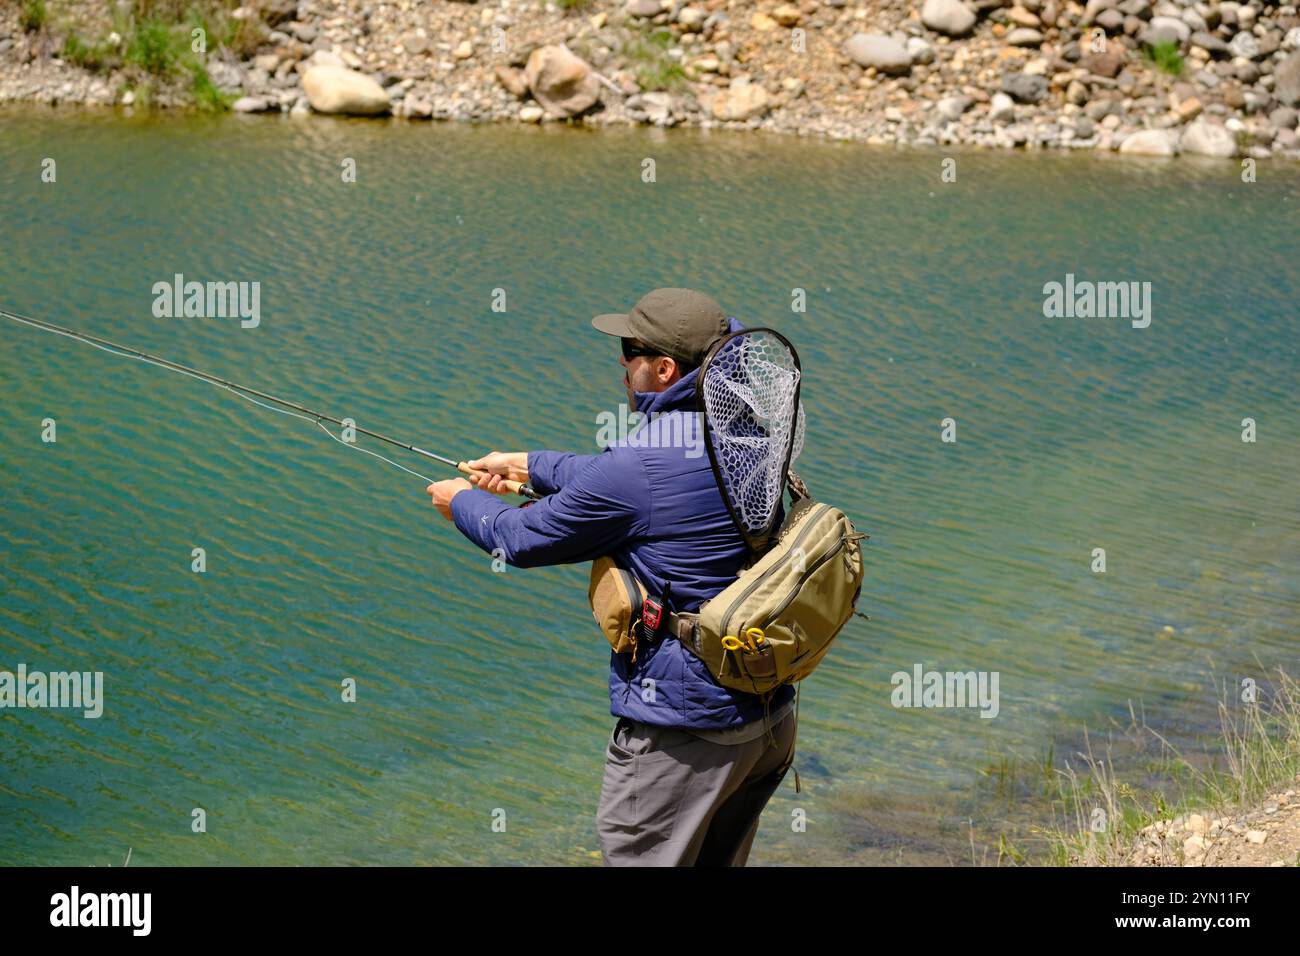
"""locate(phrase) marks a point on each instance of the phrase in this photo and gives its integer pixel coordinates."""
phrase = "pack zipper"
(803, 532)
(634, 600)
(803, 579)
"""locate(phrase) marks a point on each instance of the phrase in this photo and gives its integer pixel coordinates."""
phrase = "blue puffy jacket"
(650, 502)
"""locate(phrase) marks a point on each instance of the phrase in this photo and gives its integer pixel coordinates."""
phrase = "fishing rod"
(514, 487)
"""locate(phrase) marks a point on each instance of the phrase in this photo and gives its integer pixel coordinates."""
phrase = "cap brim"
(613, 323)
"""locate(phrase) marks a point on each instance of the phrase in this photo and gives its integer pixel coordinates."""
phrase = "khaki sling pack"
(774, 623)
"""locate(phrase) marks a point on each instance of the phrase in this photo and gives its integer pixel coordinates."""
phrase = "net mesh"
(749, 390)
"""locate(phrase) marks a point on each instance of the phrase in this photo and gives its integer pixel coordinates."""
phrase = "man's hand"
(444, 491)
(497, 467)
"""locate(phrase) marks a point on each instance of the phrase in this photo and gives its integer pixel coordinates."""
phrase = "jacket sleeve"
(549, 471)
(595, 512)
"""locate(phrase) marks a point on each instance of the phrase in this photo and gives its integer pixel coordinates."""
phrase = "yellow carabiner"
(732, 643)
(755, 637)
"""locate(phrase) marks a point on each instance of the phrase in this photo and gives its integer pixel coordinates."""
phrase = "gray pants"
(670, 798)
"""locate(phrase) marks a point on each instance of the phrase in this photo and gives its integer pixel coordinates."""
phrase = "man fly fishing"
(690, 763)
(715, 600)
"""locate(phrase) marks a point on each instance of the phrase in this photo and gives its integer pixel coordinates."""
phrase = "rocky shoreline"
(1211, 78)
(1264, 835)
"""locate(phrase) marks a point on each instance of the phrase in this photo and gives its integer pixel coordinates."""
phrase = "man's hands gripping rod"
(501, 472)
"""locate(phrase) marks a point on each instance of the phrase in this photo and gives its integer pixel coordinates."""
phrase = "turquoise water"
(481, 692)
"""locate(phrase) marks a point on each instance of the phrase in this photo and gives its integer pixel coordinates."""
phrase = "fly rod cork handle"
(513, 487)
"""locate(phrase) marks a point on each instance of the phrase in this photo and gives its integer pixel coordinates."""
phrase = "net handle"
(756, 542)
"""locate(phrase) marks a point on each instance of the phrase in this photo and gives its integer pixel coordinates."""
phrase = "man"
(690, 764)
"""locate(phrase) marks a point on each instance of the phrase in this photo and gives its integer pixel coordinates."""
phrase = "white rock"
(919, 50)
(334, 89)
(1256, 836)
(692, 18)
(950, 17)
(950, 108)
(1149, 142)
(1208, 139)
(740, 101)
(1179, 28)
(1024, 36)
(531, 114)
(872, 49)
(320, 58)
(1244, 45)
(1002, 108)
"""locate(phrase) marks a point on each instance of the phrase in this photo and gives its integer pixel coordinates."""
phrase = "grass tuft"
(1260, 751)
(654, 68)
(1164, 56)
(33, 15)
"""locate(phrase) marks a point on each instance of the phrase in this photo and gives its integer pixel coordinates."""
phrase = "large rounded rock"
(951, 17)
(740, 101)
(1207, 139)
(872, 49)
(561, 81)
(1149, 142)
(1286, 81)
(336, 89)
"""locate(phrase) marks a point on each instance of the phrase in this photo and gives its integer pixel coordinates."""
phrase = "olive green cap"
(679, 323)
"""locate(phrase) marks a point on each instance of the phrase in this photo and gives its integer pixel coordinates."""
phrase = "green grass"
(155, 47)
(33, 15)
(1164, 56)
(88, 56)
(206, 95)
(654, 69)
(1259, 752)
(159, 41)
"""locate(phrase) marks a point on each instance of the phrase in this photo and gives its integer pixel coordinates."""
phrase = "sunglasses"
(631, 351)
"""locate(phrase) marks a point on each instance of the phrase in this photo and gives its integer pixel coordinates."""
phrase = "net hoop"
(756, 530)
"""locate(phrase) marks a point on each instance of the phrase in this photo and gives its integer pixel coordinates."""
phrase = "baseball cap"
(679, 323)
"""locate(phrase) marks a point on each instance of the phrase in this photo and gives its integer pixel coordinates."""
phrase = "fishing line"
(321, 425)
(104, 345)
